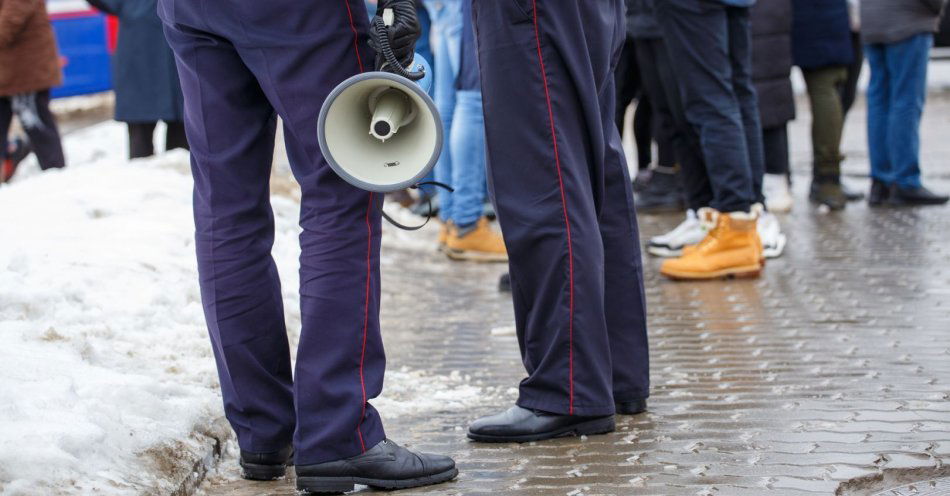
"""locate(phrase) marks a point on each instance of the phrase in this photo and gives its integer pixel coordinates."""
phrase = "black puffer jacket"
(772, 61)
(641, 21)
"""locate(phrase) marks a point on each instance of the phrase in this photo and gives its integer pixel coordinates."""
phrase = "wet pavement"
(833, 367)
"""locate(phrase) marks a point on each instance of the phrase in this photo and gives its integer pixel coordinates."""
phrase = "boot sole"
(251, 471)
(336, 485)
(590, 428)
(664, 252)
(472, 256)
(745, 272)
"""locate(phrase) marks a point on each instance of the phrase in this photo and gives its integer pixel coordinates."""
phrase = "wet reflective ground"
(834, 365)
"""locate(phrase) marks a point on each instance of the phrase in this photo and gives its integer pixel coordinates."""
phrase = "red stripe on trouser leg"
(567, 219)
(356, 35)
(369, 272)
(369, 252)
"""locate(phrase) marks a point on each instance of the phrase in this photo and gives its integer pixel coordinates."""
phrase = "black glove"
(403, 33)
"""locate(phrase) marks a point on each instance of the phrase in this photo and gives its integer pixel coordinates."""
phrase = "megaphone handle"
(428, 200)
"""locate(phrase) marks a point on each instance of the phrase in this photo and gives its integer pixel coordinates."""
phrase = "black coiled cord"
(382, 38)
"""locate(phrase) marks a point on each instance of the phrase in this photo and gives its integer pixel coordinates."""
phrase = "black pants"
(775, 146)
(850, 89)
(654, 92)
(710, 48)
(140, 138)
(32, 109)
(683, 138)
(566, 210)
(629, 83)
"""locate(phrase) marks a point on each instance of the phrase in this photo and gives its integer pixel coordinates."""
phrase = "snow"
(106, 358)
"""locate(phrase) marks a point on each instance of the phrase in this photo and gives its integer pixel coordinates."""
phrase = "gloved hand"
(403, 33)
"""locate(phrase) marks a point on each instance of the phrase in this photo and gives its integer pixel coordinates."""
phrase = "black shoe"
(915, 196)
(851, 194)
(631, 407)
(662, 194)
(504, 283)
(385, 466)
(879, 194)
(828, 192)
(266, 466)
(520, 425)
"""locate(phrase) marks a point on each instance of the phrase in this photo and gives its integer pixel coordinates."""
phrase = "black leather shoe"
(266, 466)
(916, 196)
(879, 194)
(520, 425)
(631, 407)
(385, 466)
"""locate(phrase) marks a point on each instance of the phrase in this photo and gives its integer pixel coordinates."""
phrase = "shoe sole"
(589, 428)
(251, 471)
(775, 250)
(745, 272)
(335, 485)
(474, 256)
(664, 251)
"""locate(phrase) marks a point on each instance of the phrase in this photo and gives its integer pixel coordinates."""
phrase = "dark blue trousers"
(710, 47)
(242, 63)
(564, 200)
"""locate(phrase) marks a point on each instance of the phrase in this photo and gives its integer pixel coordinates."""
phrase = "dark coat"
(821, 33)
(641, 20)
(772, 61)
(29, 60)
(144, 74)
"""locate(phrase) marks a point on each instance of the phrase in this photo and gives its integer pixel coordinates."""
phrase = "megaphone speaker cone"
(380, 132)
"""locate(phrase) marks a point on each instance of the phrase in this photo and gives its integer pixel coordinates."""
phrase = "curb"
(211, 442)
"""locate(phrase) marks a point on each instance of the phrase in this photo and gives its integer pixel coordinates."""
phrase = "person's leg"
(175, 136)
(627, 80)
(879, 105)
(740, 52)
(827, 119)
(232, 126)
(548, 180)
(446, 39)
(698, 40)
(624, 297)
(141, 139)
(907, 65)
(686, 142)
(643, 131)
(775, 148)
(6, 116)
(40, 125)
(850, 89)
(467, 146)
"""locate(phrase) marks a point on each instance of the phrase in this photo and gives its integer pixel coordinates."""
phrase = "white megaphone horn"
(380, 131)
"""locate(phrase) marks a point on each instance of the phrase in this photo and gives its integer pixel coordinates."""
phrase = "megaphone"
(380, 131)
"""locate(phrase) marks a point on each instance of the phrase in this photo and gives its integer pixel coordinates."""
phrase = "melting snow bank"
(106, 376)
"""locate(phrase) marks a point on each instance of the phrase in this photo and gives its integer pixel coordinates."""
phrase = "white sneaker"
(778, 198)
(773, 241)
(689, 232)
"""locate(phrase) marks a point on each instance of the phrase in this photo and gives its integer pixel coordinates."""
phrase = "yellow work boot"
(709, 217)
(731, 249)
(444, 233)
(477, 243)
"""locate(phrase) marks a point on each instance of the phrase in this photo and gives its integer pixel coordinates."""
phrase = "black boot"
(520, 425)
(266, 466)
(385, 466)
(634, 407)
(915, 196)
(880, 192)
(663, 193)
(504, 283)
(826, 190)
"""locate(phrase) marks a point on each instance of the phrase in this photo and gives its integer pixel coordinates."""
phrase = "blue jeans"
(462, 164)
(895, 103)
